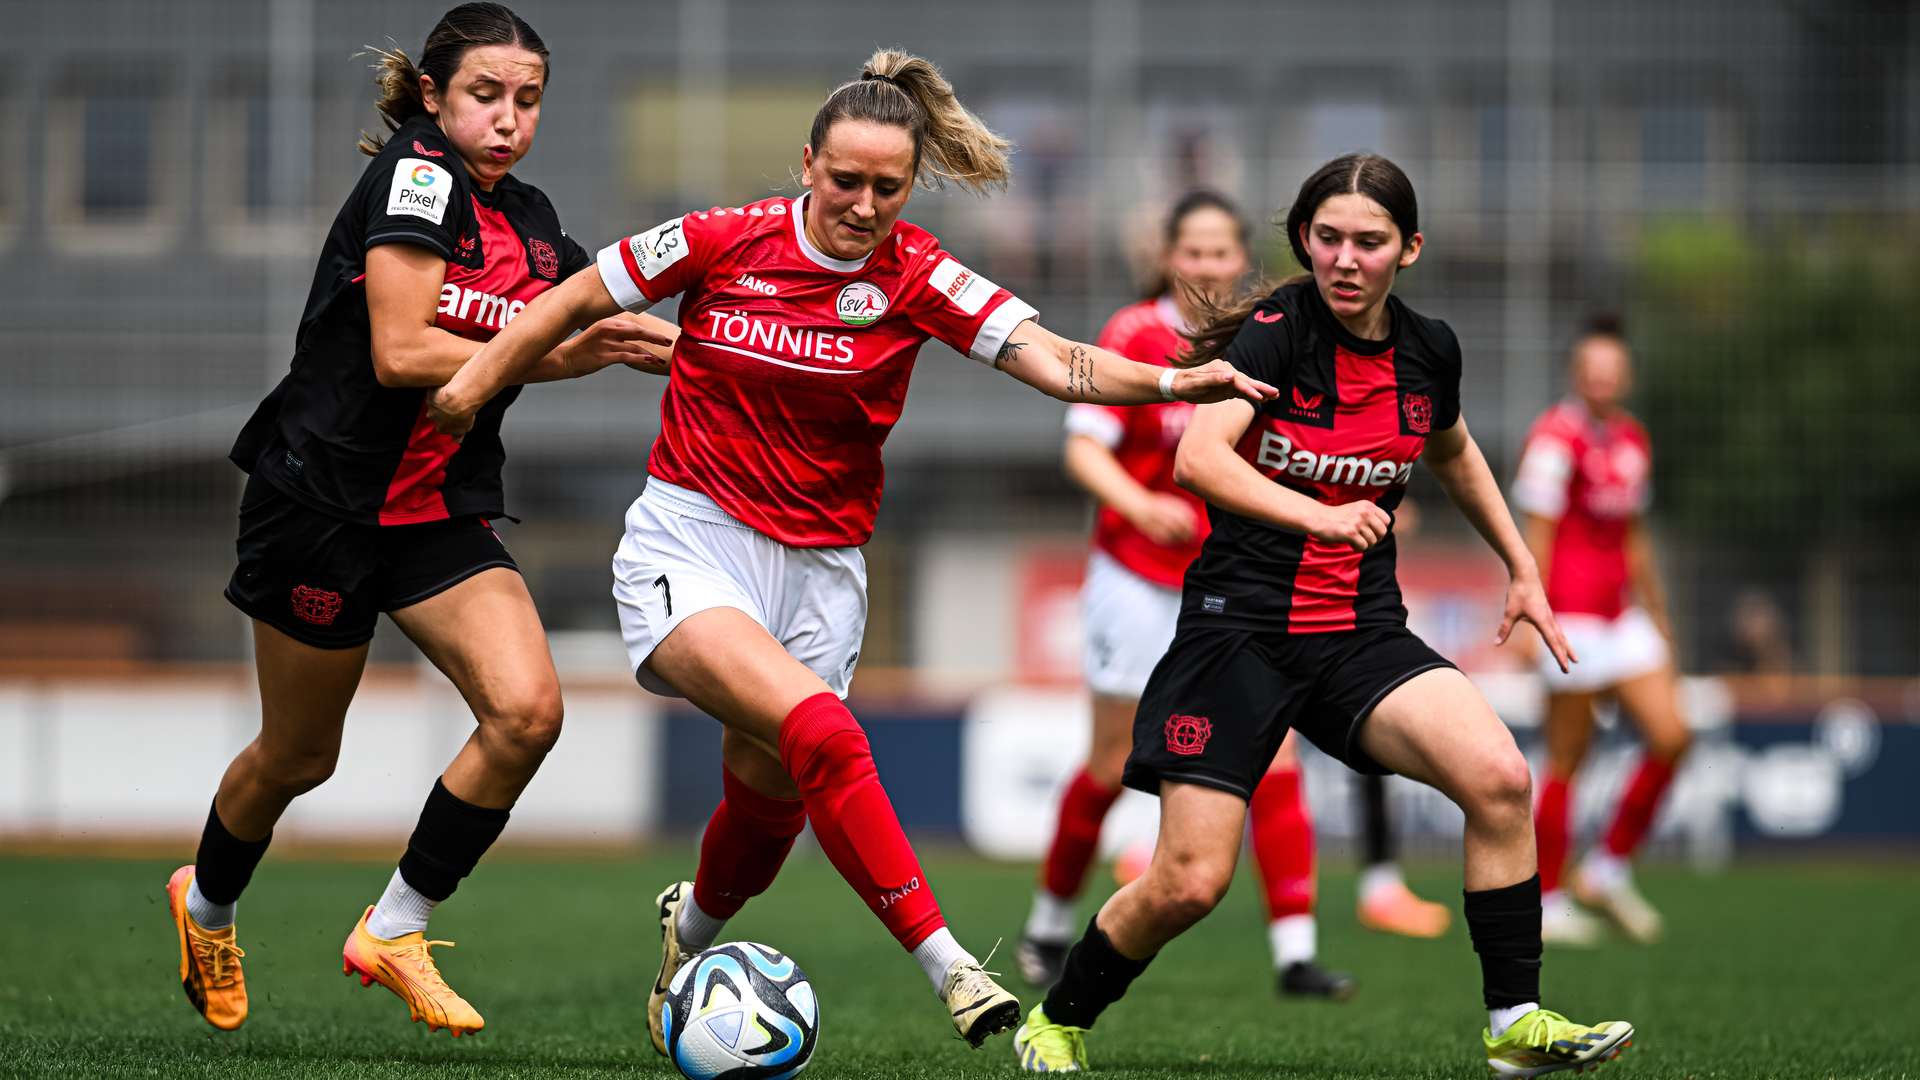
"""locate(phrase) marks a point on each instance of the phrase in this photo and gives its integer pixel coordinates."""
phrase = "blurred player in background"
(354, 505)
(740, 582)
(1146, 531)
(1291, 618)
(1584, 484)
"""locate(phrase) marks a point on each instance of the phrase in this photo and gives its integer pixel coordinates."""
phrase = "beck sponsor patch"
(420, 189)
(965, 289)
(659, 247)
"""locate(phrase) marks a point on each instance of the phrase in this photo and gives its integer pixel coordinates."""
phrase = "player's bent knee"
(1106, 767)
(1504, 785)
(296, 773)
(527, 722)
(1670, 745)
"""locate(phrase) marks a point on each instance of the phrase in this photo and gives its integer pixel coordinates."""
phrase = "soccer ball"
(741, 1011)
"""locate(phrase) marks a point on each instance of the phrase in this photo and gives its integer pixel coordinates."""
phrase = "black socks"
(1505, 927)
(1378, 843)
(449, 840)
(224, 863)
(1096, 976)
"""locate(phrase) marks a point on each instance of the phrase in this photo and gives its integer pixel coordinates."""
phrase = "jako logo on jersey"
(860, 304)
(754, 283)
(1277, 453)
(1263, 317)
(420, 189)
(484, 309)
(1306, 405)
(1419, 410)
(424, 152)
(753, 333)
(1188, 735)
(546, 262)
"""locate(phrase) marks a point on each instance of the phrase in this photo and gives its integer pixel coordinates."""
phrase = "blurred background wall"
(1738, 178)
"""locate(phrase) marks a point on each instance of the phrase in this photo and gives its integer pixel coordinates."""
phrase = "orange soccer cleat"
(405, 966)
(209, 961)
(1394, 909)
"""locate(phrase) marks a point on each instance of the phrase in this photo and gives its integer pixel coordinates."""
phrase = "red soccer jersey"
(1593, 477)
(792, 365)
(1143, 438)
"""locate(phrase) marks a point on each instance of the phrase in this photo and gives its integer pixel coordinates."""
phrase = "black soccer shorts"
(324, 582)
(1221, 701)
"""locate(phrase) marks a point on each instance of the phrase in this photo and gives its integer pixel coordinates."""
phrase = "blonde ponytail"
(400, 99)
(904, 90)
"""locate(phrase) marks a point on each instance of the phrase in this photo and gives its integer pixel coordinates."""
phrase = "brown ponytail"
(903, 90)
(465, 27)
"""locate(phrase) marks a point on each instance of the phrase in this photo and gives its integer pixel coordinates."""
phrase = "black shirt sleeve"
(414, 193)
(1263, 349)
(573, 257)
(1446, 377)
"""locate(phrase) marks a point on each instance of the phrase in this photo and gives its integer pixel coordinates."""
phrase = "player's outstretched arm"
(1208, 465)
(1462, 470)
(1165, 519)
(1075, 371)
(506, 360)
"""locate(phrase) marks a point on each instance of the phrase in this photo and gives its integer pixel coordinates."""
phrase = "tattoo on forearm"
(1008, 353)
(1080, 374)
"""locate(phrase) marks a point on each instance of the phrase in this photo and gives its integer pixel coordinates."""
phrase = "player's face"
(1356, 249)
(491, 108)
(1207, 253)
(1602, 374)
(860, 176)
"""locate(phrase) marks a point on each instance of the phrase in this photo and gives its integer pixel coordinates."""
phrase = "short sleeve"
(1446, 379)
(950, 302)
(1546, 470)
(1104, 424)
(1263, 347)
(573, 257)
(643, 269)
(411, 196)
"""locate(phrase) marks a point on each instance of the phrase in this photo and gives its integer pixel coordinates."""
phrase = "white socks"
(1052, 918)
(1379, 876)
(401, 910)
(206, 913)
(696, 929)
(1499, 1020)
(1293, 939)
(939, 953)
(1605, 871)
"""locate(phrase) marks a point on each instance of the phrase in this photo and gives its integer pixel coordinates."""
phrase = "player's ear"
(430, 95)
(1411, 252)
(806, 165)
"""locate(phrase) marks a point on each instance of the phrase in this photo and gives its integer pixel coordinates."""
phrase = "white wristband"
(1166, 384)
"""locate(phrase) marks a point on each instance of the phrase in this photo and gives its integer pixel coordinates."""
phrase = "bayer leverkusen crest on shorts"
(1188, 735)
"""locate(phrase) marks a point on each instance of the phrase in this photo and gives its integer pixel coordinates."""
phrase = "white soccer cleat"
(980, 1008)
(1623, 905)
(1562, 922)
(672, 959)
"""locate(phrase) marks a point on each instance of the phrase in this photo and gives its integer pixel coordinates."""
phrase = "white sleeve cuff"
(1096, 422)
(999, 326)
(619, 283)
(1540, 487)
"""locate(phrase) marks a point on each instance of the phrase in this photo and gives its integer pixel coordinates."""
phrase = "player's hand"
(449, 415)
(1359, 525)
(1217, 380)
(1527, 601)
(618, 339)
(1165, 519)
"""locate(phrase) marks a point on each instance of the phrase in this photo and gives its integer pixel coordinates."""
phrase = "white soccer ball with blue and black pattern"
(740, 1011)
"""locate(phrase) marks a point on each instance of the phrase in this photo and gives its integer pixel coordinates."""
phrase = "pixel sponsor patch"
(420, 189)
(967, 290)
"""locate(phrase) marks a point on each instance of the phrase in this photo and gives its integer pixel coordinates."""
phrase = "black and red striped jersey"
(329, 434)
(1351, 419)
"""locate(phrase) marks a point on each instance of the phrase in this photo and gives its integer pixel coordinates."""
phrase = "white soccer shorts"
(682, 555)
(1611, 651)
(1129, 623)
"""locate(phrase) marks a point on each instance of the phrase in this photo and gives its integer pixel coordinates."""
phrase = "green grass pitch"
(1772, 970)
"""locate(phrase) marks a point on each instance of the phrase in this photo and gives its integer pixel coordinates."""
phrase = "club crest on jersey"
(1188, 735)
(546, 261)
(317, 606)
(1419, 412)
(860, 304)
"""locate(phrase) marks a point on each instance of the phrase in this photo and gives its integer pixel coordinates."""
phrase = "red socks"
(1283, 844)
(1077, 835)
(746, 840)
(827, 755)
(1638, 804)
(1551, 830)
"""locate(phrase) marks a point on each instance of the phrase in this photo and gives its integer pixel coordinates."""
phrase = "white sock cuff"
(204, 912)
(1499, 1020)
(1384, 875)
(1295, 940)
(402, 910)
(1052, 917)
(697, 930)
(938, 953)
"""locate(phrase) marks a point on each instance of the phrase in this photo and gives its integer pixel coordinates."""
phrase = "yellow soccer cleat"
(1543, 1042)
(1044, 1046)
(209, 961)
(405, 966)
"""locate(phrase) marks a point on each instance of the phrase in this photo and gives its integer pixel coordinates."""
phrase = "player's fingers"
(1506, 629)
(1254, 389)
